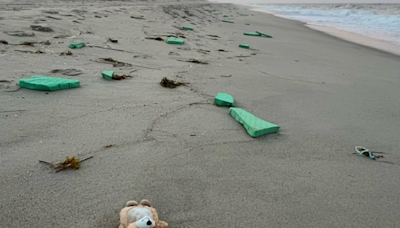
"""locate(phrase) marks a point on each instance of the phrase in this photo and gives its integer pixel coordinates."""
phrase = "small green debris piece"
(113, 40)
(243, 14)
(187, 28)
(225, 16)
(107, 74)
(252, 34)
(255, 126)
(173, 40)
(228, 21)
(244, 45)
(224, 99)
(77, 45)
(247, 24)
(38, 82)
(263, 34)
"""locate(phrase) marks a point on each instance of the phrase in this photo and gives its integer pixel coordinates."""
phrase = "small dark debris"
(3, 42)
(194, 61)
(97, 16)
(139, 18)
(155, 38)
(66, 53)
(28, 43)
(120, 77)
(226, 76)
(47, 42)
(297, 60)
(55, 18)
(108, 146)
(51, 11)
(213, 36)
(221, 50)
(115, 62)
(165, 82)
(40, 52)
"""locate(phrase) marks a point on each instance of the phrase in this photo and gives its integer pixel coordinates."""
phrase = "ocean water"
(379, 21)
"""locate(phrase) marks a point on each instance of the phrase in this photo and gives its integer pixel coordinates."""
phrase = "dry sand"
(195, 163)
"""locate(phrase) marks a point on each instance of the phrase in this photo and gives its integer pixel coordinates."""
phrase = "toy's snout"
(145, 222)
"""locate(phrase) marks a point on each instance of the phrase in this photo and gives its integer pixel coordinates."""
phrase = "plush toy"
(141, 215)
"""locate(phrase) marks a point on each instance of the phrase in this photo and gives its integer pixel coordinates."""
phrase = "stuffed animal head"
(141, 215)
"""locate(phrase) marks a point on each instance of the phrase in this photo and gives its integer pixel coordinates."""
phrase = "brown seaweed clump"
(165, 82)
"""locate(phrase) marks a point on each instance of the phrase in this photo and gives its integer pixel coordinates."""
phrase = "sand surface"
(191, 159)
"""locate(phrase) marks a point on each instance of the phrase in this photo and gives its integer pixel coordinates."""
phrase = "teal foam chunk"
(227, 21)
(244, 45)
(263, 34)
(38, 82)
(252, 34)
(173, 40)
(255, 126)
(77, 45)
(187, 28)
(107, 74)
(224, 99)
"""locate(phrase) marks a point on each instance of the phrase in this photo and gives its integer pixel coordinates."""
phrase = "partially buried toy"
(141, 215)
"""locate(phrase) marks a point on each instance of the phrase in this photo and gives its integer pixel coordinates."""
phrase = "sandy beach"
(190, 158)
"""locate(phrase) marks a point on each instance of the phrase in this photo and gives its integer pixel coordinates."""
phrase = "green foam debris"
(224, 99)
(38, 82)
(252, 34)
(173, 40)
(187, 28)
(255, 126)
(244, 45)
(263, 34)
(77, 45)
(227, 21)
(107, 74)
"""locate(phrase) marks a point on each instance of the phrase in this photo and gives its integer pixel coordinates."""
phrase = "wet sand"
(190, 158)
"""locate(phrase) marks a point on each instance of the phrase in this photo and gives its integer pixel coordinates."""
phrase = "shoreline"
(353, 37)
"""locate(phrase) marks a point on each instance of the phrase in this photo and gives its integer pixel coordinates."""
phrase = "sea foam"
(379, 21)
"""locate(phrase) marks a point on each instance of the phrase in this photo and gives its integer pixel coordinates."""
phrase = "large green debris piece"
(255, 126)
(38, 82)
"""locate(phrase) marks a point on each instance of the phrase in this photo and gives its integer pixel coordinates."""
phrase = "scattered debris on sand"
(114, 62)
(165, 82)
(66, 53)
(194, 61)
